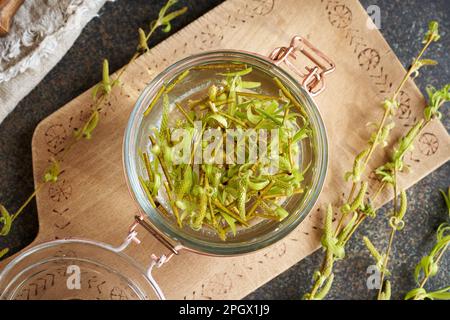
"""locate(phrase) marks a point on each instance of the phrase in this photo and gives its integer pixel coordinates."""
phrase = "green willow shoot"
(376, 255)
(386, 293)
(422, 294)
(6, 221)
(52, 172)
(388, 173)
(3, 252)
(164, 18)
(99, 93)
(436, 99)
(428, 266)
(106, 85)
(446, 196)
(361, 204)
(143, 44)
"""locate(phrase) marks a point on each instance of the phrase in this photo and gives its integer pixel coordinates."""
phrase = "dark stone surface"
(113, 35)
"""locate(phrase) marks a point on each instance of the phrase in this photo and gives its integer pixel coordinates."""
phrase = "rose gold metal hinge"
(312, 79)
(139, 220)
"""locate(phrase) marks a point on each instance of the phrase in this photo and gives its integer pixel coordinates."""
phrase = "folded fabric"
(41, 33)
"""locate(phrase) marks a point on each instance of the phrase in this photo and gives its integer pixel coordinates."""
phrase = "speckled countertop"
(112, 35)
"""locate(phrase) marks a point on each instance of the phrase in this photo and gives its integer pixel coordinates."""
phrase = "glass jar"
(314, 150)
(76, 269)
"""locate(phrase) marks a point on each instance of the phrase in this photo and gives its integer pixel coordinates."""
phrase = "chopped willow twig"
(224, 197)
(155, 100)
(289, 96)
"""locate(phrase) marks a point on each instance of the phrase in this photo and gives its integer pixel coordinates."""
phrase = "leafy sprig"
(436, 99)
(428, 266)
(107, 84)
(432, 35)
(422, 294)
(362, 205)
(165, 18)
(446, 196)
(388, 172)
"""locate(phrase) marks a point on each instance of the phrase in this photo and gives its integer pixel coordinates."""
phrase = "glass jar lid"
(77, 269)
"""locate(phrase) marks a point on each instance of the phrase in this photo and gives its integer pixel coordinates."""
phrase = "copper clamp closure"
(313, 78)
(156, 261)
(139, 220)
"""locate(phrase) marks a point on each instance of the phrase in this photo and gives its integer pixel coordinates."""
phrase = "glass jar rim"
(138, 194)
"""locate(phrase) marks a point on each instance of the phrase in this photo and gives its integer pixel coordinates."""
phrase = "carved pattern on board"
(219, 285)
(55, 138)
(60, 191)
(404, 108)
(369, 59)
(259, 7)
(252, 9)
(355, 40)
(340, 16)
(428, 144)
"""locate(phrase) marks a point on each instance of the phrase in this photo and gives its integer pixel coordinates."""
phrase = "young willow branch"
(358, 206)
(99, 94)
(388, 173)
(428, 266)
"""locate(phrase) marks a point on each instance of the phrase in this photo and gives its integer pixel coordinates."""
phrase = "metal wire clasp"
(313, 78)
(139, 220)
(156, 261)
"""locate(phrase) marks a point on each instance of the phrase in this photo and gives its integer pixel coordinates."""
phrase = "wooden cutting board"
(91, 199)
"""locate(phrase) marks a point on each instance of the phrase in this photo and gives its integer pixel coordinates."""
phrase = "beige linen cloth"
(41, 33)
